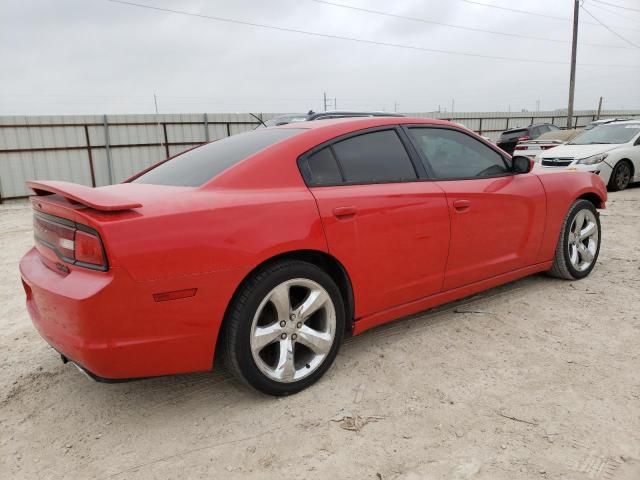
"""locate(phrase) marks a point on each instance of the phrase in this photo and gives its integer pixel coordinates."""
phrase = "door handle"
(345, 212)
(462, 205)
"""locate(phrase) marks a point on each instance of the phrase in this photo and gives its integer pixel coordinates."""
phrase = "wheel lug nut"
(299, 325)
(293, 316)
(283, 336)
(283, 323)
(294, 336)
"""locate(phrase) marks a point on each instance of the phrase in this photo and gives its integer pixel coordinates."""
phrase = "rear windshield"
(196, 167)
(513, 134)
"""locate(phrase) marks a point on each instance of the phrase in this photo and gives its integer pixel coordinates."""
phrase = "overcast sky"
(94, 56)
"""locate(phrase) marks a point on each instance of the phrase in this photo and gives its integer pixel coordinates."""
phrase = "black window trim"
(431, 174)
(418, 167)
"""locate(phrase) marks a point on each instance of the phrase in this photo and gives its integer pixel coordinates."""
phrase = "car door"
(389, 230)
(497, 217)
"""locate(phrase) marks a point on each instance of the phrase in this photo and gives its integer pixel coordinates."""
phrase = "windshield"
(608, 133)
(196, 167)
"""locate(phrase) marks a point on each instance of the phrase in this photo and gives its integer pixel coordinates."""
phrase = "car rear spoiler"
(95, 198)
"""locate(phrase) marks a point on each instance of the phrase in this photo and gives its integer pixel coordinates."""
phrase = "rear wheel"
(284, 328)
(579, 243)
(620, 177)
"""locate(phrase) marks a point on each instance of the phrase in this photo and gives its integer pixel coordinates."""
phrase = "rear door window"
(375, 157)
(324, 168)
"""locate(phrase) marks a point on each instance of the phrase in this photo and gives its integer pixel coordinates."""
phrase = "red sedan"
(268, 246)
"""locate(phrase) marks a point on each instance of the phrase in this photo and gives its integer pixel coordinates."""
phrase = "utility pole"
(574, 51)
(599, 109)
(325, 101)
(453, 102)
(335, 103)
(395, 106)
(538, 105)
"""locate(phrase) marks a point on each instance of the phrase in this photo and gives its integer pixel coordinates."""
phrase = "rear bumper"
(111, 326)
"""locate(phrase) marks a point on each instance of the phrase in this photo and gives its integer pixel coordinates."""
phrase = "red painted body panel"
(394, 245)
(498, 229)
(561, 191)
(404, 246)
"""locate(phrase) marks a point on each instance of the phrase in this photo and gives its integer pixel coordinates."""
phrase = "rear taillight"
(89, 249)
(521, 147)
(55, 235)
(74, 243)
(522, 139)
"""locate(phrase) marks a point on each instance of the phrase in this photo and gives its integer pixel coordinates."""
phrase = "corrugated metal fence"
(100, 150)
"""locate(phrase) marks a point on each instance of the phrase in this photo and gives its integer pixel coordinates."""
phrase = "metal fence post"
(166, 140)
(93, 175)
(108, 150)
(480, 131)
(206, 127)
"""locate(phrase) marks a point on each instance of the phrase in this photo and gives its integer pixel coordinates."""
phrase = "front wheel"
(579, 243)
(284, 327)
(620, 177)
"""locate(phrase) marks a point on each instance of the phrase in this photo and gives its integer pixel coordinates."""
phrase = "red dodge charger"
(268, 246)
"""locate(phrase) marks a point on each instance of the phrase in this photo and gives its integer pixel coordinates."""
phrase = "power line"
(605, 26)
(611, 12)
(528, 12)
(450, 25)
(618, 6)
(354, 39)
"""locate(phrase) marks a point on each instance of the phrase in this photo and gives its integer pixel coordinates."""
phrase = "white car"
(533, 148)
(611, 150)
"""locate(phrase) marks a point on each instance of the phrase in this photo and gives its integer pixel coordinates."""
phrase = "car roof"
(561, 135)
(352, 112)
(357, 123)
(631, 121)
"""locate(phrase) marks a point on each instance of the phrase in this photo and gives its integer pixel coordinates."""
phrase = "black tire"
(237, 328)
(620, 177)
(562, 265)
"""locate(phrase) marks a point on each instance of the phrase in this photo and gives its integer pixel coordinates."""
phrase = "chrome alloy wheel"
(293, 330)
(583, 240)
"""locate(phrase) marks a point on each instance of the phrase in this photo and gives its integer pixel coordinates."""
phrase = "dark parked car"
(510, 138)
(311, 115)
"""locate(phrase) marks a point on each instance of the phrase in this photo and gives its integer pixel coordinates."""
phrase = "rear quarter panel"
(562, 189)
(222, 230)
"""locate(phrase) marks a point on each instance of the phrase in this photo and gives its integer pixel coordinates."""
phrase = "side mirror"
(521, 164)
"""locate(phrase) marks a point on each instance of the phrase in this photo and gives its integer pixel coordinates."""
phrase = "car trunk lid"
(71, 221)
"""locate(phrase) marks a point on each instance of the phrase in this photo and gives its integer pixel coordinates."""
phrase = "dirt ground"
(538, 379)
